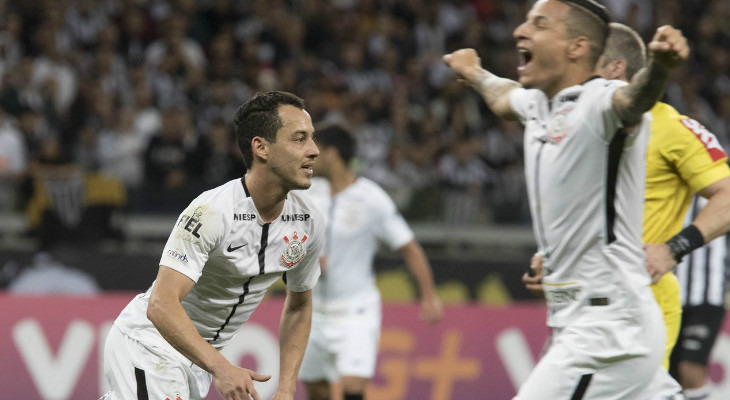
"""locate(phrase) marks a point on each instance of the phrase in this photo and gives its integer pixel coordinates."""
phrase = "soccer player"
(225, 250)
(702, 279)
(343, 345)
(683, 158)
(585, 142)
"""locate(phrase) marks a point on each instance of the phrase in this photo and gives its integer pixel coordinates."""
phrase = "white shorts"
(339, 345)
(604, 360)
(137, 371)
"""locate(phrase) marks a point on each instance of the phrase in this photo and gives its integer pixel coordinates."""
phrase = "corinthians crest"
(294, 251)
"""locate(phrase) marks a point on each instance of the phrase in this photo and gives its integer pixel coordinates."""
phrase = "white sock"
(702, 393)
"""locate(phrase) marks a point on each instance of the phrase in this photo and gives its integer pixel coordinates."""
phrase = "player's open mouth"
(308, 169)
(525, 58)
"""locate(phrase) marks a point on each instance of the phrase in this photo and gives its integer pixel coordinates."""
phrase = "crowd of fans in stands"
(144, 91)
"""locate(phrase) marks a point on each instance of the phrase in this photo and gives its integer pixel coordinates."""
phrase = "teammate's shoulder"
(664, 111)
(368, 186)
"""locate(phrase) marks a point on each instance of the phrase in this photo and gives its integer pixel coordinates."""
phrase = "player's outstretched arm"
(167, 314)
(296, 322)
(667, 49)
(431, 308)
(495, 90)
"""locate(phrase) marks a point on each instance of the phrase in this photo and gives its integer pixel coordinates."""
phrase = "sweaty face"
(291, 157)
(542, 47)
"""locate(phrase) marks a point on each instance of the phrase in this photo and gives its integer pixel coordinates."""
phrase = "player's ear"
(618, 68)
(579, 47)
(260, 147)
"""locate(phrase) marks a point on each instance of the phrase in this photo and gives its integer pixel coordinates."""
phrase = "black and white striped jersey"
(221, 243)
(702, 274)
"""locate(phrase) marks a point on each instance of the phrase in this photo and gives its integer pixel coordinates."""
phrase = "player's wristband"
(685, 242)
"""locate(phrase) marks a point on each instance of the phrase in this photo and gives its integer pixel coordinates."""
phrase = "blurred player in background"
(585, 142)
(343, 344)
(682, 158)
(226, 249)
(702, 286)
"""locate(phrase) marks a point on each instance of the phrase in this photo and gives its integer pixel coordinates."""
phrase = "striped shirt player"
(222, 244)
(346, 310)
(702, 278)
(585, 178)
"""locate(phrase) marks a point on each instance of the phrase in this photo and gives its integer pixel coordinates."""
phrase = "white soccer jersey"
(357, 218)
(585, 180)
(221, 243)
(701, 273)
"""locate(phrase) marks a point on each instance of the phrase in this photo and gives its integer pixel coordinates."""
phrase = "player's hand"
(236, 383)
(668, 47)
(659, 260)
(431, 310)
(533, 277)
(467, 64)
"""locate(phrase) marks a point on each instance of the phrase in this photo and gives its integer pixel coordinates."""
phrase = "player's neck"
(340, 179)
(267, 197)
(573, 76)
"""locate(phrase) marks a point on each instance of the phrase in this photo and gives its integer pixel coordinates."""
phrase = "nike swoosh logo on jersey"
(231, 248)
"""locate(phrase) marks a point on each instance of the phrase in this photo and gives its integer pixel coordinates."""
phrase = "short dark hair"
(625, 44)
(590, 19)
(259, 116)
(338, 137)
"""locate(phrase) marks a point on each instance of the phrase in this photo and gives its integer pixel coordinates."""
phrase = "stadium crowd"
(143, 92)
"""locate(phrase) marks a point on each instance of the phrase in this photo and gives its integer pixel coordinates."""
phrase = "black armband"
(685, 242)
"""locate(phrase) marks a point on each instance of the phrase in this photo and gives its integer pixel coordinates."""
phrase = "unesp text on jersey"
(294, 217)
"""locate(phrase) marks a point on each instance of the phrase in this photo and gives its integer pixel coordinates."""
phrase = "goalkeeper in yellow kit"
(683, 158)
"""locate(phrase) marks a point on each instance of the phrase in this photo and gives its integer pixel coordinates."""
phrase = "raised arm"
(416, 261)
(667, 49)
(495, 90)
(167, 314)
(296, 322)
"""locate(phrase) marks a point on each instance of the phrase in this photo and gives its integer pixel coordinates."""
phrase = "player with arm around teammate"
(346, 319)
(225, 250)
(585, 141)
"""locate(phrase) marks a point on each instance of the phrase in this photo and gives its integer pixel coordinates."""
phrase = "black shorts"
(700, 326)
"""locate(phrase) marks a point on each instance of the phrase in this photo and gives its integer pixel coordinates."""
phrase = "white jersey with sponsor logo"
(357, 219)
(221, 243)
(585, 180)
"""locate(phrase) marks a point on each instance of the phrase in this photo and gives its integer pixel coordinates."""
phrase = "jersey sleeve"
(304, 277)
(601, 111)
(390, 227)
(196, 233)
(520, 100)
(696, 153)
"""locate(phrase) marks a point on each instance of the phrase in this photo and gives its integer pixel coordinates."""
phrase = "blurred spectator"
(221, 159)
(120, 150)
(173, 164)
(465, 177)
(13, 162)
(69, 206)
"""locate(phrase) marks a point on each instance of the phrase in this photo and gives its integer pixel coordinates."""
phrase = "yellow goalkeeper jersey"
(683, 158)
